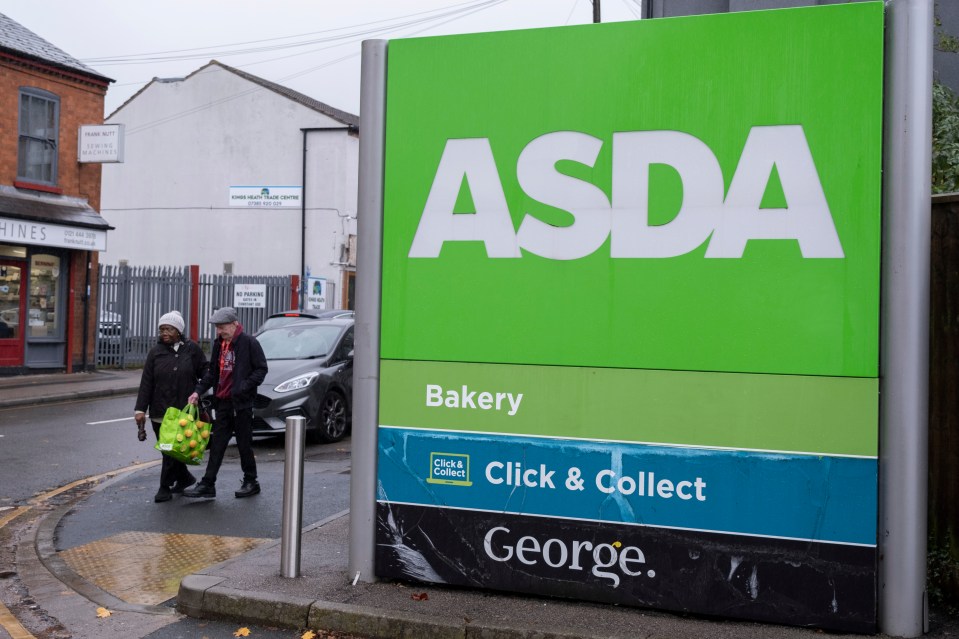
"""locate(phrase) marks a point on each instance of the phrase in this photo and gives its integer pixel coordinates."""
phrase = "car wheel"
(331, 421)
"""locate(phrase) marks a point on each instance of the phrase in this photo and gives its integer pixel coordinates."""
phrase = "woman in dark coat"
(170, 374)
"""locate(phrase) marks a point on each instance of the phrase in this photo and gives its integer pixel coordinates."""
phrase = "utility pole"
(596, 13)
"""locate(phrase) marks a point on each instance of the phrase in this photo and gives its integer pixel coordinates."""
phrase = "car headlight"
(297, 383)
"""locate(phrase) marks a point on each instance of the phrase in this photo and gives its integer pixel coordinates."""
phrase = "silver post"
(366, 362)
(904, 360)
(292, 498)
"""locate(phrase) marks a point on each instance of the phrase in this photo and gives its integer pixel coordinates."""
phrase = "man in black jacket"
(237, 368)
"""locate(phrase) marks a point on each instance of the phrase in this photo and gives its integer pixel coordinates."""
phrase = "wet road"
(50, 445)
(108, 541)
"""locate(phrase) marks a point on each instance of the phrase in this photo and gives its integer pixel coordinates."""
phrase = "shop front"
(47, 250)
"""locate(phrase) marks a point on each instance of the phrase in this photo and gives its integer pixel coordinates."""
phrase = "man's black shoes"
(201, 490)
(248, 489)
(163, 495)
(207, 491)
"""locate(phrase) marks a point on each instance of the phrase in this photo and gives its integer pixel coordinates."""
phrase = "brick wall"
(81, 102)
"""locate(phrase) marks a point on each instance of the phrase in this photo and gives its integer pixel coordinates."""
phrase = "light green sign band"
(818, 415)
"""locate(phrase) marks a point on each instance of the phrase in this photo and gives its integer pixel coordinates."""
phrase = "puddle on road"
(146, 568)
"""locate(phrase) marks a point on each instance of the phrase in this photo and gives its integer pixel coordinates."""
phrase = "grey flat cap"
(223, 315)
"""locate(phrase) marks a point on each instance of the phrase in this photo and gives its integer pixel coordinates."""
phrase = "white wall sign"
(100, 143)
(249, 295)
(315, 293)
(41, 234)
(266, 196)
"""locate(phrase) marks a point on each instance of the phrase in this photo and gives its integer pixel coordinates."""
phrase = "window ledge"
(33, 186)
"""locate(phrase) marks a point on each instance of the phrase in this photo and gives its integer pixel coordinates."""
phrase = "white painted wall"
(332, 170)
(188, 141)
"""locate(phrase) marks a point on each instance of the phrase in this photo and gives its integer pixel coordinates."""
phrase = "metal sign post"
(904, 351)
(366, 371)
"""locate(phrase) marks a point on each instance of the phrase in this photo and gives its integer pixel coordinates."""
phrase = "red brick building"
(50, 226)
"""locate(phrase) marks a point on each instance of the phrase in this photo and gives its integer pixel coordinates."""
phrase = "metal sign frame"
(904, 336)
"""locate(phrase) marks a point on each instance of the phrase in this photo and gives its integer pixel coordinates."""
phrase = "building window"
(43, 318)
(39, 136)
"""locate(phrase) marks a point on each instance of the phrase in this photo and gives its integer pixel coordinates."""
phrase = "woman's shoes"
(183, 484)
(166, 494)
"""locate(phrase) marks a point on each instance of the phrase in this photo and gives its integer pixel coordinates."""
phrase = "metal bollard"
(292, 498)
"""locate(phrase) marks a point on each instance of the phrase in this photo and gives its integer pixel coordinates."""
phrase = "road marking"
(9, 623)
(39, 499)
(109, 421)
(10, 516)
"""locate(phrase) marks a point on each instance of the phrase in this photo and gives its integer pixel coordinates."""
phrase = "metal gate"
(218, 290)
(132, 300)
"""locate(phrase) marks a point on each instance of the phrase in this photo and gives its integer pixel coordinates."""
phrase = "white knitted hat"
(174, 319)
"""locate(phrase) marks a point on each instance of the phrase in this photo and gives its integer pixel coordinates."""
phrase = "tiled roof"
(17, 38)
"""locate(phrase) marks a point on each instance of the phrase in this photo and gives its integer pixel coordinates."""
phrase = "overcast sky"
(312, 46)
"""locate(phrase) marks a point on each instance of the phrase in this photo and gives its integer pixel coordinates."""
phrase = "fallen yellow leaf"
(102, 613)
(242, 632)
(309, 634)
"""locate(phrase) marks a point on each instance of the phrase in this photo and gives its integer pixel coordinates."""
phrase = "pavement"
(249, 588)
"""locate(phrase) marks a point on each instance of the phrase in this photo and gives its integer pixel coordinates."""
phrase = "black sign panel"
(761, 579)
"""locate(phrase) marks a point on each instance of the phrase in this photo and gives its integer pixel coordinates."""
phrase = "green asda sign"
(666, 194)
(630, 313)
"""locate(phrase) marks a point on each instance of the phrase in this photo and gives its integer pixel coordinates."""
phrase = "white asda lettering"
(555, 553)
(705, 215)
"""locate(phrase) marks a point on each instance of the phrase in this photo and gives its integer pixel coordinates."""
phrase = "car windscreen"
(299, 341)
(280, 320)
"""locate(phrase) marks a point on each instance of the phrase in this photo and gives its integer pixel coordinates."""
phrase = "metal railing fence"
(132, 300)
(217, 291)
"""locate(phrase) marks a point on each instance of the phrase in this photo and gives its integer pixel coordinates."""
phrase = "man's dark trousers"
(230, 423)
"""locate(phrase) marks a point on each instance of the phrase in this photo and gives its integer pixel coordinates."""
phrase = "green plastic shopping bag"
(182, 435)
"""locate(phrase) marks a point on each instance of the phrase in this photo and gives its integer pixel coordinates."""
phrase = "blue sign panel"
(790, 496)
